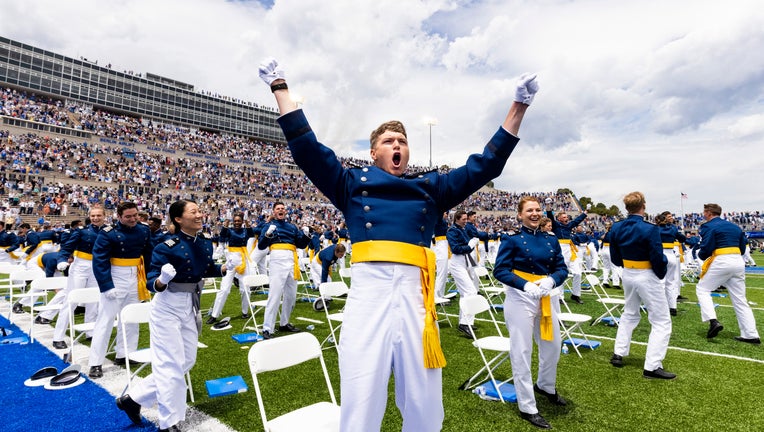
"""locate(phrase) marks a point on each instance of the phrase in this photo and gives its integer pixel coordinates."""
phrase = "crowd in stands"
(154, 179)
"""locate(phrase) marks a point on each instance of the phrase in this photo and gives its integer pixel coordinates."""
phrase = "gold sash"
(291, 247)
(143, 292)
(241, 268)
(573, 248)
(545, 325)
(424, 258)
(83, 255)
(721, 251)
(640, 265)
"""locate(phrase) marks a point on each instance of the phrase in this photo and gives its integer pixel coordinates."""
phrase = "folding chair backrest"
(283, 352)
(345, 273)
(136, 313)
(7, 268)
(83, 295)
(27, 274)
(480, 271)
(597, 287)
(477, 304)
(257, 280)
(333, 289)
(49, 283)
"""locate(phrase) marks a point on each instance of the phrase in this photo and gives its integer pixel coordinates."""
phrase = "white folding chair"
(18, 279)
(83, 296)
(255, 281)
(613, 306)
(570, 325)
(210, 287)
(490, 288)
(40, 288)
(287, 351)
(140, 313)
(345, 275)
(332, 290)
(9, 284)
(474, 305)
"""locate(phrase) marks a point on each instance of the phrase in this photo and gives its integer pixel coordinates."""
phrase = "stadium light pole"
(431, 121)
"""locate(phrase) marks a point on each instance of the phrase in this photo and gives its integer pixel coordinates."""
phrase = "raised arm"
(273, 75)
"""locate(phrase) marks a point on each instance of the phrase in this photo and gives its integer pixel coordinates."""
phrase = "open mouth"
(396, 159)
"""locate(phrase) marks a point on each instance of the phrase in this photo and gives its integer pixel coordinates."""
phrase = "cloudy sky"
(659, 96)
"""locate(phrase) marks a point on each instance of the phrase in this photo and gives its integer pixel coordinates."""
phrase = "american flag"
(684, 195)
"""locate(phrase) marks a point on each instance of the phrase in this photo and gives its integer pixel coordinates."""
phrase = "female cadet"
(178, 266)
(530, 264)
(237, 238)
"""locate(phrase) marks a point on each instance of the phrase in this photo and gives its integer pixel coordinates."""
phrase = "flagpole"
(681, 208)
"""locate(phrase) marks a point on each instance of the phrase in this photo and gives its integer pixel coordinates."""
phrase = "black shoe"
(554, 398)
(536, 420)
(236, 282)
(130, 407)
(672, 311)
(211, 320)
(95, 372)
(119, 361)
(658, 374)
(755, 341)
(171, 429)
(616, 360)
(289, 328)
(681, 298)
(577, 299)
(245, 316)
(606, 285)
(467, 329)
(79, 310)
(714, 328)
(266, 334)
(17, 308)
(41, 320)
(59, 345)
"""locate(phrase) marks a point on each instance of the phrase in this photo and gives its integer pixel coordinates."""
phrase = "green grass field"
(719, 384)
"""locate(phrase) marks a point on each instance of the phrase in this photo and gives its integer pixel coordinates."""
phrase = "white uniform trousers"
(643, 286)
(747, 258)
(464, 278)
(727, 270)
(522, 315)
(225, 288)
(441, 267)
(259, 258)
(592, 257)
(80, 276)
(174, 339)
(671, 282)
(574, 267)
(125, 293)
(609, 271)
(315, 272)
(5, 257)
(283, 288)
(382, 331)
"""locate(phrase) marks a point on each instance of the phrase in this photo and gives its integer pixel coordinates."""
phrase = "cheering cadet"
(562, 227)
(236, 238)
(390, 323)
(178, 266)
(530, 264)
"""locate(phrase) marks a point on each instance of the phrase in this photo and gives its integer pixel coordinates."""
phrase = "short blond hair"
(634, 202)
(714, 209)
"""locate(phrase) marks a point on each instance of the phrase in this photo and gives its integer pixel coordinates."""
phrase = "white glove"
(233, 261)
(306, 230)
(110, 294)
(473, 242)
(62, 266)
(271, 230)
(548, 200)
(322, 238)
(168, 272)
(533, 290)
(547, 284)
(526, 88)
(270, 71)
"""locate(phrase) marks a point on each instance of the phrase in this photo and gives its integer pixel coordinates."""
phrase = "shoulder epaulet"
(172, 242)
(550, 233)
(107, 228)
